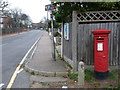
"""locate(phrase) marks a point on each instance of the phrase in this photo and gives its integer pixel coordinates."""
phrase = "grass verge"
(89, 75)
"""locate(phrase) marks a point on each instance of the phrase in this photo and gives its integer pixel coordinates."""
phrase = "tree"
(3, 5)
(16, 16)
(25, 20)
(64, 9)
(20, 19)
(14, 19)
(44, 20)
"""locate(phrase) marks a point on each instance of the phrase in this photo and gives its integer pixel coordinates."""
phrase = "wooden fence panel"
(118, 45)
(113, 44)
(85, 42)
(67, 48)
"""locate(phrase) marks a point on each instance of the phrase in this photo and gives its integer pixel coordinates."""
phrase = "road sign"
(49, 7)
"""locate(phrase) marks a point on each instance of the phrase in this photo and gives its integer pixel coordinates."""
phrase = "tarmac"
(42, 62)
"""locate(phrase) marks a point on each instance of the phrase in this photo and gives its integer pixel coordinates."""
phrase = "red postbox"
(101, 53)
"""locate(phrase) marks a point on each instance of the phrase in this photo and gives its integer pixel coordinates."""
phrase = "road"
(13, 50)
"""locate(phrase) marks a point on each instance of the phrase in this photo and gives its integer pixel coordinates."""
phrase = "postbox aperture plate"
(99, 46)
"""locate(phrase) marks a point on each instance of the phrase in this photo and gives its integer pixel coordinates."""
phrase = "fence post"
(74, 41)
(81, 75)
(118, 43)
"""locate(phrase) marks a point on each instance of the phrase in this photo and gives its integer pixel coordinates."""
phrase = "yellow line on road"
(18, 67)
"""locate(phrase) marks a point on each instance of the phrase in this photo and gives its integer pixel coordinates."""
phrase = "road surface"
(13, 50)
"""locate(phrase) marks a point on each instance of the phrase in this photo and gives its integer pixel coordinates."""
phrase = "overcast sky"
(34, 8)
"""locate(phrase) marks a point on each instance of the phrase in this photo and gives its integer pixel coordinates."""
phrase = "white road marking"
(33, 52)
(2, 84)
(3, 44)
(20, 64)
(20, 70)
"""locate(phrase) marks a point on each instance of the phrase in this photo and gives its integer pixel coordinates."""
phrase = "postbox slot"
(100, 38)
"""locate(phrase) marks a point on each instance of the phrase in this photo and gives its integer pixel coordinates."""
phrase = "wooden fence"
(80, 46)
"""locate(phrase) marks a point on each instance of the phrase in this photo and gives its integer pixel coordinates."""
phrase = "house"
(5, 22)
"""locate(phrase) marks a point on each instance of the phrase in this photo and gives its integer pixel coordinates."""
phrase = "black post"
(53, 42)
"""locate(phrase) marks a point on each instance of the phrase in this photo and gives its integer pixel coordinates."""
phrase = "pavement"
(42, 62)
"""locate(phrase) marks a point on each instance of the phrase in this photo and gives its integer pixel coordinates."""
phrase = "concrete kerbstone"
(45, 73)
(61, 73)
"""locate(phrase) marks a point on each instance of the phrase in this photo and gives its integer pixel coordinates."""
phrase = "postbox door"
(101, 57)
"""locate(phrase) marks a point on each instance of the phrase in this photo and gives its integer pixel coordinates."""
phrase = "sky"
(34, 8)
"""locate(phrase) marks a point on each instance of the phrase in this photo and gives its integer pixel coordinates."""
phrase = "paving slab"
(42, 61)
(47, 79)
